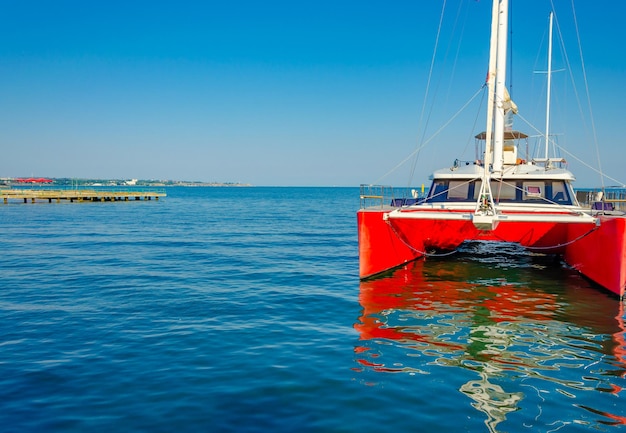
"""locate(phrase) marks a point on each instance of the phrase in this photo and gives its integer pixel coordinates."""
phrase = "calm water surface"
(240, 310)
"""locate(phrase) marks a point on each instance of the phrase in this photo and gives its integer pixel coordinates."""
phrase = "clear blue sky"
(276, 92)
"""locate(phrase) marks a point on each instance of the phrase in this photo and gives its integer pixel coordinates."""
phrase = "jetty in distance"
(36, 189)
(78, 195)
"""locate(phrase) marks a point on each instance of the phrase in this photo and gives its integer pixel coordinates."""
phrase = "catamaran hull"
(601, 256)
(596, 251)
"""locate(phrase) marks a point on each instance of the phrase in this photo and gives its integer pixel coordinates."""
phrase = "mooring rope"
(411, 247)
(424, 253)
(566, 243)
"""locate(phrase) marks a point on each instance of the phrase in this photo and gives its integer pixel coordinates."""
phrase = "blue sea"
(239, 309)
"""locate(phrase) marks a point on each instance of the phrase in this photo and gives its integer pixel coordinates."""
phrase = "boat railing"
(374, 195)
(607, 199)
(385, 196)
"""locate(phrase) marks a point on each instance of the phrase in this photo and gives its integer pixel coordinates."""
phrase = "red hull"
(601, 256)
(598, 254)
(379, 247)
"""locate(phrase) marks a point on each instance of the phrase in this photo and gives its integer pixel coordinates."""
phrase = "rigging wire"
(425, 115)
(563, 149)
(482, 101)
(593, 124)
(455, 26)
(430, 76)
(577, 96)
(432, 137)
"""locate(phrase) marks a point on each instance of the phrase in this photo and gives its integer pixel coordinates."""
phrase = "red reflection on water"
(444, 290)
(620, 340)
(462, 289)
(467, 311)
(615, 419)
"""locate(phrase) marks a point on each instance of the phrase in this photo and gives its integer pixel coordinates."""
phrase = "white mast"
(549, 89)
(485, 211)
(491, 78)
(498, 139)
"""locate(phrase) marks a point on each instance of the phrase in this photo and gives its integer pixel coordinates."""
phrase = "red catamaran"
(501, 197)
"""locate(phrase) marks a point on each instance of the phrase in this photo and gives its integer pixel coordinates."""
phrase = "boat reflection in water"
(540, 345)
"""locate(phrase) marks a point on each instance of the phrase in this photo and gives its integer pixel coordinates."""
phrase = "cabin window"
(503, 191)
(559, 193)
(438, 191)
(458, 190)
(533, 190)
(519, 191)
(478, 184)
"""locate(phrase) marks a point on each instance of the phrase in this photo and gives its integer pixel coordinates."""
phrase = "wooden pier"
(78, 195)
